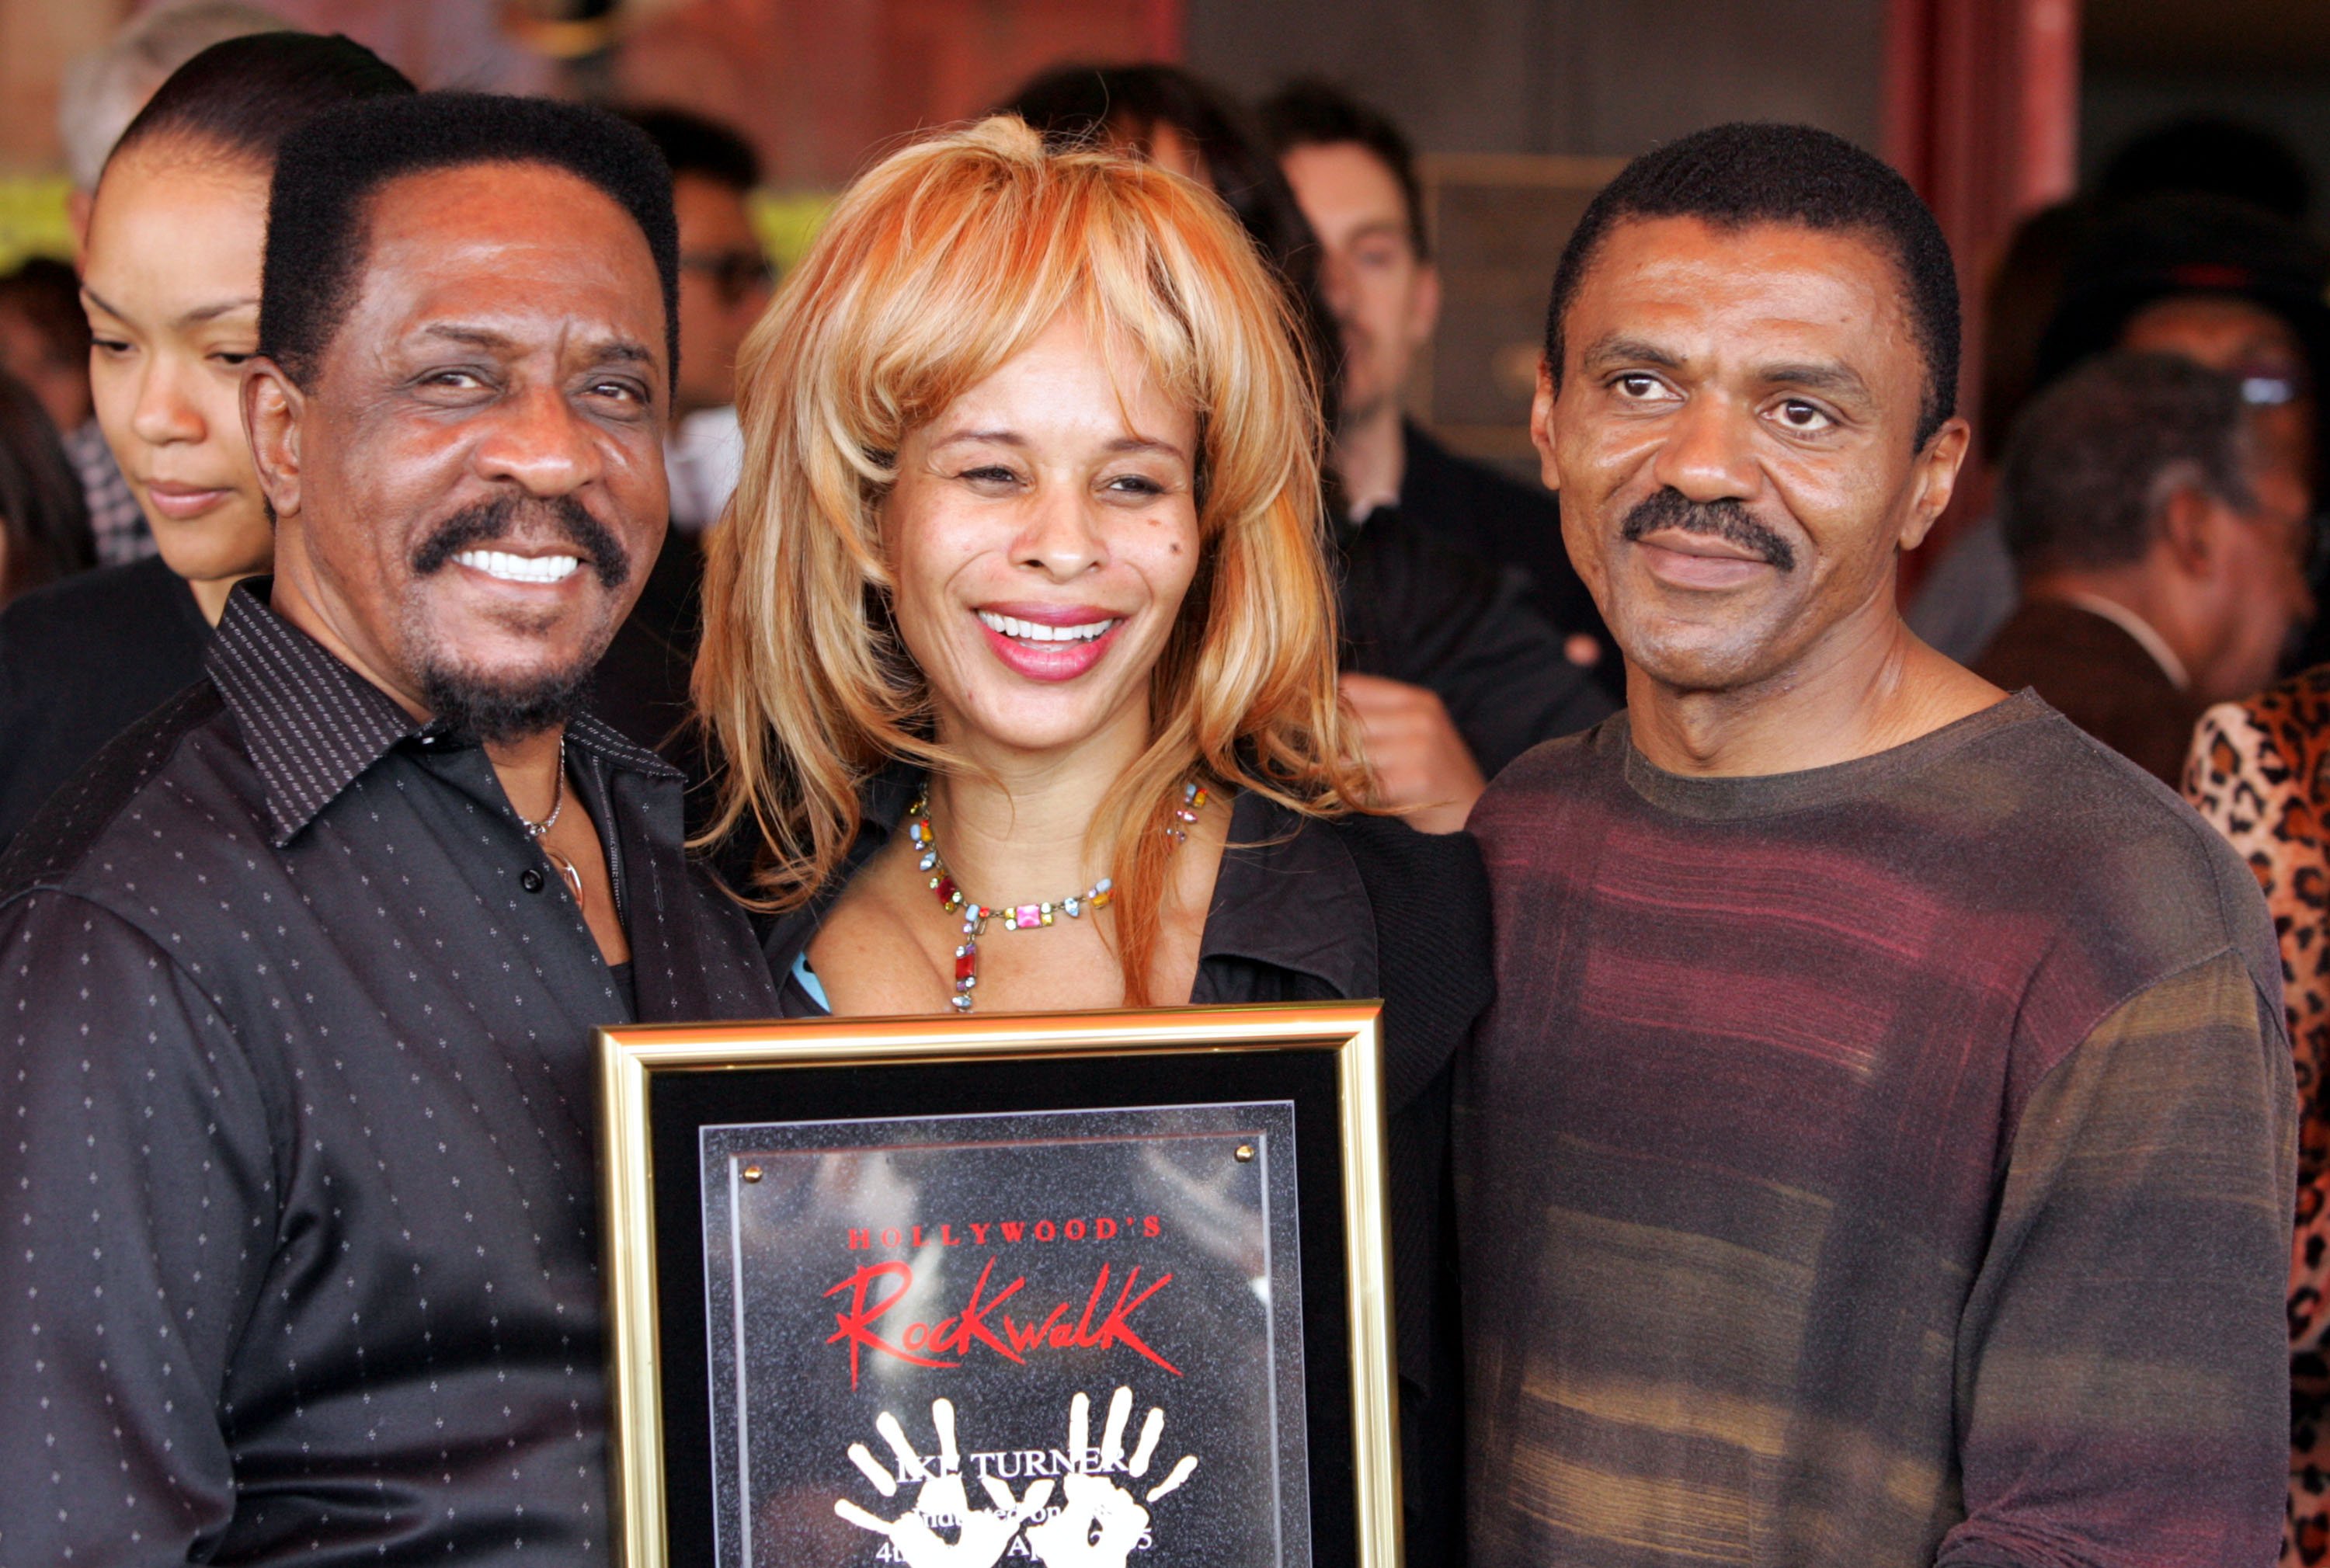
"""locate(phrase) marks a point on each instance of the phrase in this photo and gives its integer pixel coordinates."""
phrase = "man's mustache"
(1727, 520)
(496, 520)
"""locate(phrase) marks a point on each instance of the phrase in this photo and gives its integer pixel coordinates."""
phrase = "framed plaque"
(1061, 1290)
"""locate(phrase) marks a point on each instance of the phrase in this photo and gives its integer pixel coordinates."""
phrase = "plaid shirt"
(114, 520)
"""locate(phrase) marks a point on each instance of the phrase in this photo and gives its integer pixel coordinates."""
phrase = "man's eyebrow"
(1633, 350)
(624, 350)
(469, 336)
(1839, 380)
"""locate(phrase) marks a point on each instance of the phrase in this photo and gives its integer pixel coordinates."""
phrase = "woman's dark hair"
(44, 517)
(1076, 104)
(46, 293)
(248, 94)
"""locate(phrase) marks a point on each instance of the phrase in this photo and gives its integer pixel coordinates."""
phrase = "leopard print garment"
(2256, 773)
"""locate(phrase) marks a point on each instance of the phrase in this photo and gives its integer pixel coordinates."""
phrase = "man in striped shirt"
(1880, 1152)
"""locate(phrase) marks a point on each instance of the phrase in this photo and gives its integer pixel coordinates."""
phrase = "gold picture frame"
(671, 1098)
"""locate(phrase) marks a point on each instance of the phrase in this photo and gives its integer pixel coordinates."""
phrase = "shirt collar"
(312, 726)
(2142, 630)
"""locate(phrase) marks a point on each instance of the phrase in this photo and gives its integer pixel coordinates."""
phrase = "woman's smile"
(1049, 642)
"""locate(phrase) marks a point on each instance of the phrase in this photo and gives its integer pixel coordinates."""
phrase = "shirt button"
(530, 879)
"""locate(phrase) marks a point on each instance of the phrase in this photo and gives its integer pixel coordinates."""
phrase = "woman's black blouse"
(1308, 910)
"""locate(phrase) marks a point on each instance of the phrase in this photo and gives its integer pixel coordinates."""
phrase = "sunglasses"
(736, 274)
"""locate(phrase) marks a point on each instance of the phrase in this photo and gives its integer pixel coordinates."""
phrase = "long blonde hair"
(941, 264)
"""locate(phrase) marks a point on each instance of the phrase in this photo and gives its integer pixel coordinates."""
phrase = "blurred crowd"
(1468, 635)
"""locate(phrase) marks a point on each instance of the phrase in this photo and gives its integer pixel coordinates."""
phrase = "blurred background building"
(1996, 109)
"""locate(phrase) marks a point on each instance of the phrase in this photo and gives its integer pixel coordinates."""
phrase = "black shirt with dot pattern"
(298, 1138)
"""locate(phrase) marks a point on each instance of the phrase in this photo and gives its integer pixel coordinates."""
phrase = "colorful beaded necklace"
(1015, 917)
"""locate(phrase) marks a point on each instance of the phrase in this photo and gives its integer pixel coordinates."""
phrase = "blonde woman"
(1021, 649)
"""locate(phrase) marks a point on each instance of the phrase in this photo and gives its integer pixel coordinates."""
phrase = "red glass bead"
(946, 890)
(966, 962)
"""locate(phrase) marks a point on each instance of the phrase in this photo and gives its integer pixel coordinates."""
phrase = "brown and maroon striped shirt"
(1884, 1163)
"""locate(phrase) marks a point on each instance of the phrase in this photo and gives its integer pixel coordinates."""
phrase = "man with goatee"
(297, 979)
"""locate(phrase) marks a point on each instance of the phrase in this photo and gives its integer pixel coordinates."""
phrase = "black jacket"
(80, 661)
(641, 683)
(1312, 910)
(1512, 524)
(1419, 610)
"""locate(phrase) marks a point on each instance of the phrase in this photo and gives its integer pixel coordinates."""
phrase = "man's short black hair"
(1733, 176)
(246, 95)
(2184, 244)
(1311, 113)
(2094, 457)
(693, 145)
(326, 177)
(2211, 154)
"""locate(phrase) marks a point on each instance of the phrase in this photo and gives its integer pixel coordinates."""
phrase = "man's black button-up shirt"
(297, 1153)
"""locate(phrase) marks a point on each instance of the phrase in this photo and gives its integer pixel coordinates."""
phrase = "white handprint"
(1098, 1523)
(980, 1539)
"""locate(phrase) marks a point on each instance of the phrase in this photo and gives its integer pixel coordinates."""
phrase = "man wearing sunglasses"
(723, 285)
(2163, 528)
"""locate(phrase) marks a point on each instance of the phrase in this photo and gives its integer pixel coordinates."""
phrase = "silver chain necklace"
(536, 831)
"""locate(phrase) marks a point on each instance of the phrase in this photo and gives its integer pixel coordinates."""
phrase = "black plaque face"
(1078, 1290)
(1069, 1338)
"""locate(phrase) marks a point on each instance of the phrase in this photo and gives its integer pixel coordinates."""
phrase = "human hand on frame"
(1098, 1523)
(981, 1538)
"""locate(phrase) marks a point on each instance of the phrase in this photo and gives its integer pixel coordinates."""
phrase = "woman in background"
(170, 278)
(43, 522)
(1023, 602)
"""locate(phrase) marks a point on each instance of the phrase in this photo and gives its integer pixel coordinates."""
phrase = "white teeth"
(510, 568)
(1033, 631)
